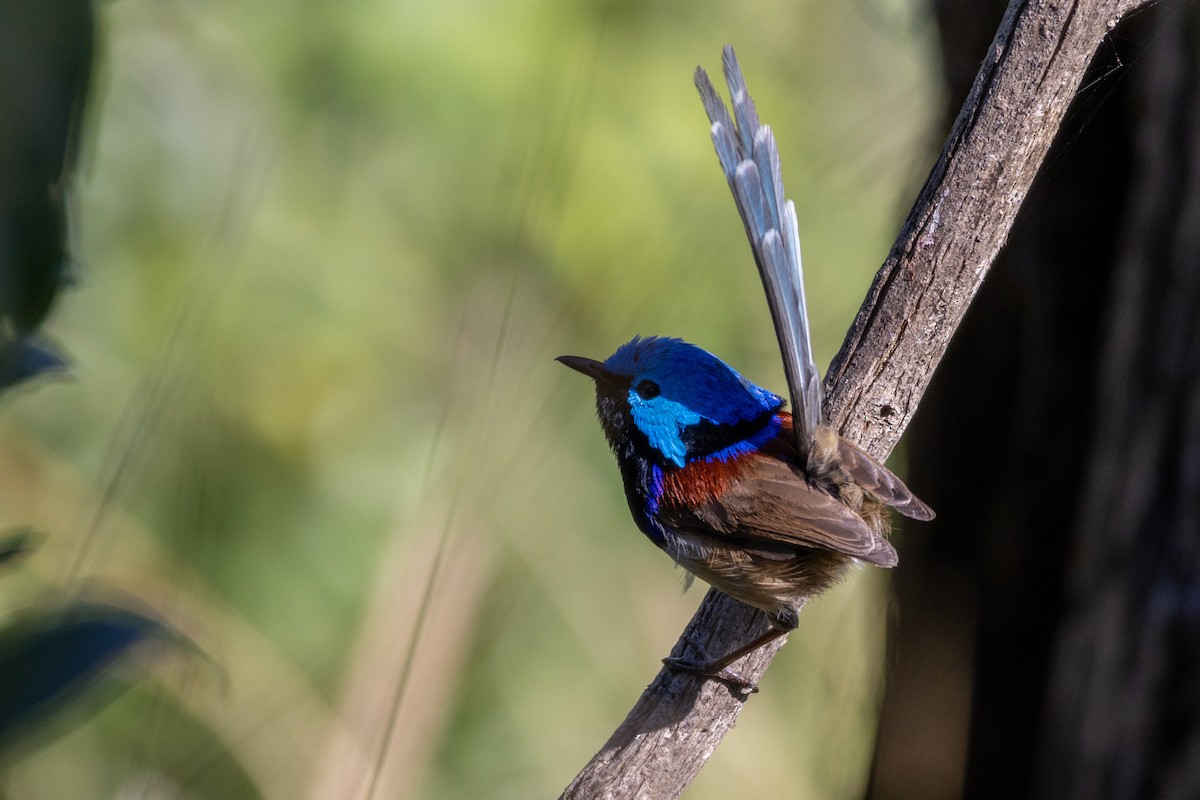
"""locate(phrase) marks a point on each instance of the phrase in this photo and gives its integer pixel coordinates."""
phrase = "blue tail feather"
(749, 158)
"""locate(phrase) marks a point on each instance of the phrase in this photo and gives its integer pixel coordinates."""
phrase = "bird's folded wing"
(771, 510)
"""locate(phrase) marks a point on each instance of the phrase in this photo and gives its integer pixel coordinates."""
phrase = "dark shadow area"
(1045, 640)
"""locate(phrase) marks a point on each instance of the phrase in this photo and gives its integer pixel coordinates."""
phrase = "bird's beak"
(588, 366)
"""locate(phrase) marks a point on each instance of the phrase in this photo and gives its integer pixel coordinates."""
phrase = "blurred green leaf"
(50, 659)
(16, 543)
(27, 357)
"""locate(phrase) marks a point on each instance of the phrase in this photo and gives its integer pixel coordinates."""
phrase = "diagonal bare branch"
(956, 228)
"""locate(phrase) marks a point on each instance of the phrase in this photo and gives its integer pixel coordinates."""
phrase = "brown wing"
(881, 482)
(771, 510)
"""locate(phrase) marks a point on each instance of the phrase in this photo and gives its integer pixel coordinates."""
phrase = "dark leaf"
(16, 543)
(28, 357)
(50, 660)
(45, 68)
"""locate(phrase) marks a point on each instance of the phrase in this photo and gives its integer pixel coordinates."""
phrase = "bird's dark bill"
(588, 366)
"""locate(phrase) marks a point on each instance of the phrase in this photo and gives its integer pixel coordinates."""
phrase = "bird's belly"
(777, 586)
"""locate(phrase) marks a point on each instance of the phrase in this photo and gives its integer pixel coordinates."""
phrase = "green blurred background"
(329, 252)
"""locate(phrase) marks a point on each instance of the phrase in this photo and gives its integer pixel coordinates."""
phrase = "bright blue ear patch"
(690, 386)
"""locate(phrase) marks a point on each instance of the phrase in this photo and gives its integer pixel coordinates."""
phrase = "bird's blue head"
(673, 402)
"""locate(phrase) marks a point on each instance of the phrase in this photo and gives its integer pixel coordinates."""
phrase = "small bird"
(767, 506)
(713, 477)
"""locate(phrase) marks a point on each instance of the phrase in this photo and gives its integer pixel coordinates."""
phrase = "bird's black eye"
(648, 389)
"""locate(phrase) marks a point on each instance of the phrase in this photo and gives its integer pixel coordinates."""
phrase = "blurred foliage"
(329, 253)
(45, 67)
(52, 656)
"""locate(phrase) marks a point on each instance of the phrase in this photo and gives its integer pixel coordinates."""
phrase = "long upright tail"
(750, 160)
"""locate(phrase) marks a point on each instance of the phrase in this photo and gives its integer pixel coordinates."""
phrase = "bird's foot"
(711, 668)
